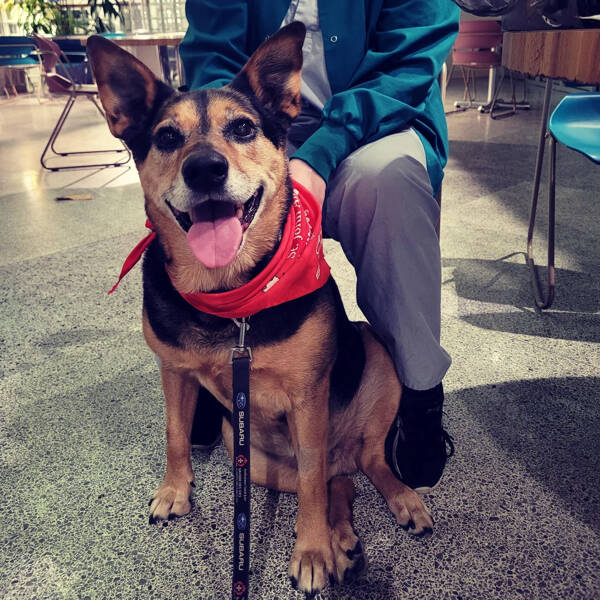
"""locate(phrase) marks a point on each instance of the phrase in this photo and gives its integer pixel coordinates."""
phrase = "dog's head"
(212, 162)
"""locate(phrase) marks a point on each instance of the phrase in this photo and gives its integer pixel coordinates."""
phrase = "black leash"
(240, 358)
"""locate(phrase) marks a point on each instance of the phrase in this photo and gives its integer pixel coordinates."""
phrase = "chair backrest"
(51, 52)
(16, 50)
(73, 48)
(478, 44)
(51, 56)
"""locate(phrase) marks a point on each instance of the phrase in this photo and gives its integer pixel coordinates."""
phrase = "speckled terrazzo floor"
(81, 412)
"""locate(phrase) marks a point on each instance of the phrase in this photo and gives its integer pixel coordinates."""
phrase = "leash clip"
(241, 349)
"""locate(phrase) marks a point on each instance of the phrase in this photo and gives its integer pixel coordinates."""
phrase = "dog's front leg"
(173, 496)
(312, 561)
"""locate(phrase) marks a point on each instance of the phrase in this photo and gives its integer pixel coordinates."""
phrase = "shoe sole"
(427, 489)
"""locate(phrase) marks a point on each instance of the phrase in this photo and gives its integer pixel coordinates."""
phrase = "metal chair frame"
(74, 91)
(469, 97)
(543, 299)
(479, 46)
(513, 105)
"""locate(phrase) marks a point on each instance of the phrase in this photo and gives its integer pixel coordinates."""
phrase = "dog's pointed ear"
(128, 90)
(273, 72)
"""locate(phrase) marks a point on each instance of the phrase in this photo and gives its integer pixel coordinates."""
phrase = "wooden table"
(572, 54)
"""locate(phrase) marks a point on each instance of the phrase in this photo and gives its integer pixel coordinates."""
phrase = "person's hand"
(305, 175)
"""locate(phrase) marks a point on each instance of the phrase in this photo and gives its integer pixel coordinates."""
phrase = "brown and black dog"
(324, 390)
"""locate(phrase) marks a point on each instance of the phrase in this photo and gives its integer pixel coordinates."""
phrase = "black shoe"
(206, 429)
(417, 446)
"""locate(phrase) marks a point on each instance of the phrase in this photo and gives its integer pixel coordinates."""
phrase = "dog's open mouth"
(215, 228)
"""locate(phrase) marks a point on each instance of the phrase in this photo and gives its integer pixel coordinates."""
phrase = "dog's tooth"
(240, 213)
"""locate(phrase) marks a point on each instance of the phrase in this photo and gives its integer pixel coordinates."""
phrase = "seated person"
(370, 144)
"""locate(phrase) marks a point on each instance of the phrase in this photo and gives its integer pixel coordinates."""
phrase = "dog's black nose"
(205, 171)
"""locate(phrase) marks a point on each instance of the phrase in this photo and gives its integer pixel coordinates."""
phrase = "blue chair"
(574, 123)
(16, 53)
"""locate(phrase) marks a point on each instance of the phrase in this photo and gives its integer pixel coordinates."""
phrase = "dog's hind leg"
(172, 499)
(347, 549)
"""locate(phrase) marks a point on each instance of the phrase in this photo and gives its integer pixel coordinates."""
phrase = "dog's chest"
(270, 393)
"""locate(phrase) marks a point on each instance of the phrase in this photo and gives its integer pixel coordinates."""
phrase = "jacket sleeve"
(392, 84)
(213, 50)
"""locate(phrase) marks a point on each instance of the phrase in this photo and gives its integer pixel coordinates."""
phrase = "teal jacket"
(383, 58)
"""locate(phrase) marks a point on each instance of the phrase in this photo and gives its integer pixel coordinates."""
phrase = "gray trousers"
(379, 206)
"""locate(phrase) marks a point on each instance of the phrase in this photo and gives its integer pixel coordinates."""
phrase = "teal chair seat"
(17, 61)
(575, 123)
(17, 51)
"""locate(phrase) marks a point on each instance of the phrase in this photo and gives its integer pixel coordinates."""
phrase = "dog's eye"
(243, 128)
(168, 139)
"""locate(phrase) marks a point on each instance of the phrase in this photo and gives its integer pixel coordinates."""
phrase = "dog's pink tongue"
(215, 235)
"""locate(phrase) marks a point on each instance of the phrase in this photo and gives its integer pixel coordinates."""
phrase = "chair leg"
(474, 82)
(494, 101)
(513, 105)
(93, 101)
(468, 100)
(12, 82)
(510, 106)
(543, 300)
(60, 123)
(56, 132)
(467, 95)
(28, 79)
(456, 104)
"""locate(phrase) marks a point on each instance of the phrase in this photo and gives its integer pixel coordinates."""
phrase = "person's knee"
(401, 183)
(376, 185)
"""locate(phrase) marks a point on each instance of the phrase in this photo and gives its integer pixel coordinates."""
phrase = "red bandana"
(297, 268)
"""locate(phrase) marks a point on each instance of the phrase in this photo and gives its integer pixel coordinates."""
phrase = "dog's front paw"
(172, 499)
(347, 551)
(411, 513)
(311, 567)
